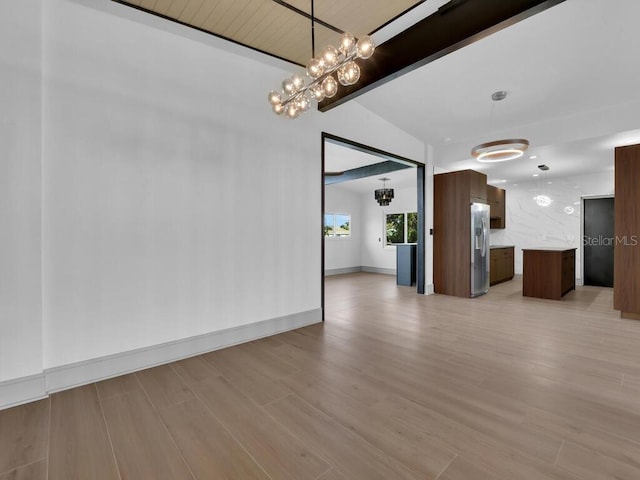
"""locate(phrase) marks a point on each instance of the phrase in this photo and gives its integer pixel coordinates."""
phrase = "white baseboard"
(384, 271)
(26, 389)
(340, 271)
(429, 289)
(22, 390)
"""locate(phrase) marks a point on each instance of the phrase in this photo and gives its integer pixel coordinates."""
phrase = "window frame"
(405, 214)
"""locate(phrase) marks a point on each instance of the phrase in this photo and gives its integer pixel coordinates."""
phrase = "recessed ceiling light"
(549, 183)
(576, 203)
(535, 174)
(533, 157)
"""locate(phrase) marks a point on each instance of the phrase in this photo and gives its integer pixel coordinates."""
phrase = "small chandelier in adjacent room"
(384, 195)
(296, 96)
(499, 150)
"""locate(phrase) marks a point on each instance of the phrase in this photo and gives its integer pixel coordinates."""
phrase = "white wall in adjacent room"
(343, 252)
(20, 186)
(529, 225)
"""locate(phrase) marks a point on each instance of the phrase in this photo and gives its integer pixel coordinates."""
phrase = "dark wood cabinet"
(496, 197)
(548, 272)
(501, 265)
(453, 194)
(626, 252)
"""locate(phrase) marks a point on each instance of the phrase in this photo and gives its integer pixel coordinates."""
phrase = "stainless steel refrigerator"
(479, 249)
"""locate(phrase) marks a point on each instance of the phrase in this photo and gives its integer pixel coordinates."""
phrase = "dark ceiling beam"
(456, 24)
(363, 172)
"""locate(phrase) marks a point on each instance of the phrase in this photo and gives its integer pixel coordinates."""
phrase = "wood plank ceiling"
(271, 27)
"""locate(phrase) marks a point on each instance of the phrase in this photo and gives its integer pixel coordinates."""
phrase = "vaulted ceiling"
(571, 73)
(281, 28)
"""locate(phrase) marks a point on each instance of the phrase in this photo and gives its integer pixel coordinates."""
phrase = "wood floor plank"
(332, 474)
(23, 434)
(558, 398)
(163, 386)
(278, 452)
(487, 453)
(408, 447)
(33, 471)
(209, 449)
(461, 469)
(195, 369)
(582, 434)
(590, 465)
(351, 454)
(247, 374)
(117, 386)
(144, 450)
(79, 445)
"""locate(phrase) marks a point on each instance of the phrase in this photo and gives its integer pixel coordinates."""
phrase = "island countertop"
(549, 249)
(502, 246)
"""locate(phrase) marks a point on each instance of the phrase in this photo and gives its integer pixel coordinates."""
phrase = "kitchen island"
(548, 272)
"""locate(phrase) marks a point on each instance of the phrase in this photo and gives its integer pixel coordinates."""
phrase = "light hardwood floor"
(392, 386)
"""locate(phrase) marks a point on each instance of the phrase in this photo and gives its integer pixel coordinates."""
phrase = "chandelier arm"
(353, 55)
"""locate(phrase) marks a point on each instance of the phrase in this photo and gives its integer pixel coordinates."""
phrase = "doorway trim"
(420, 185)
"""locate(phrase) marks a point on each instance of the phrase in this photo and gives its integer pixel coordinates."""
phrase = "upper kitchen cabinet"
(626, 253)
(496, 197)
(477, 185)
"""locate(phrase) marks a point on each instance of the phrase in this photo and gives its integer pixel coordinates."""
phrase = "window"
(401, 228)
(337, 225)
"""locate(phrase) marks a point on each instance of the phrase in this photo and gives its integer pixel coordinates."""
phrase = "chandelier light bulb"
(298, 82)
(349, 74)
(315, 68)
(329, 56)
(317, 92)
(365, 47)
(278, 109)
(274, 97)
(288, 87)
(302, 102)
(330, 87)
(291, 110)
(347, 42)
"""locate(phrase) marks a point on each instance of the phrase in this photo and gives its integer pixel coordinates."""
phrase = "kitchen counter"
(502, 246)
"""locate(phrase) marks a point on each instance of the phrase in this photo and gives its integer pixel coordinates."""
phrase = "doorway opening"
(363, 166)
(598, 240)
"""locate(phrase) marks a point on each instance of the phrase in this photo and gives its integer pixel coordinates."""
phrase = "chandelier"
(499, 150)
(384, 195)
(296, 95)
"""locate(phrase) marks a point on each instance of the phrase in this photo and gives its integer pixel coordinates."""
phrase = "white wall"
(20, 184)
(343, 252)
(174, 203)
(374, 253)
(529, 225)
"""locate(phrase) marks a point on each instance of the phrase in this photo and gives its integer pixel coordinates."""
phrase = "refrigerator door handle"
(484, 236)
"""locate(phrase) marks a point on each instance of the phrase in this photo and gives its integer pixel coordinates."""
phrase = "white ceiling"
(572, 74)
